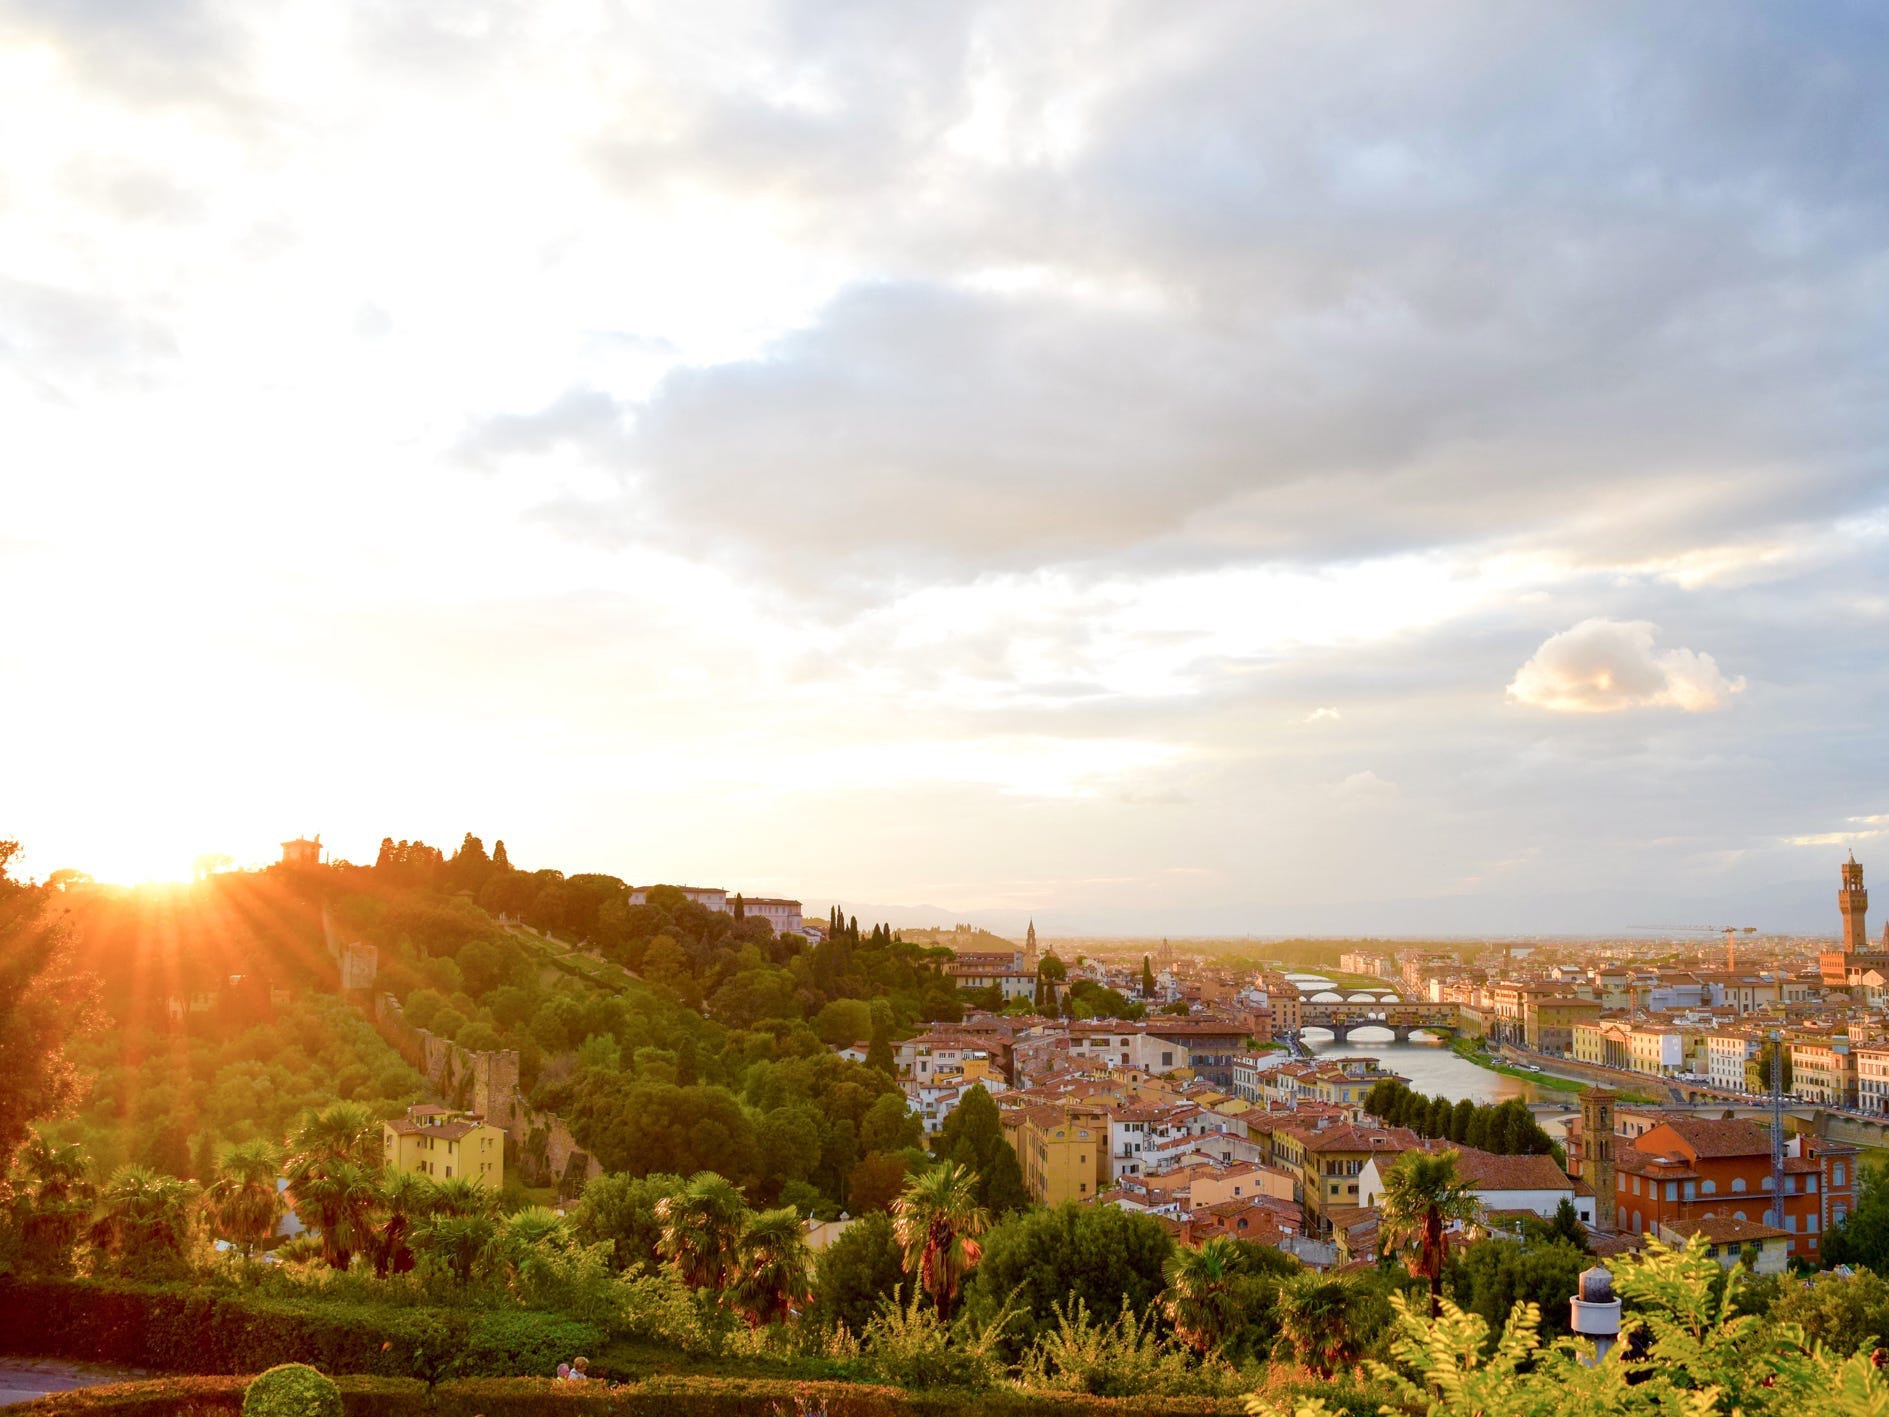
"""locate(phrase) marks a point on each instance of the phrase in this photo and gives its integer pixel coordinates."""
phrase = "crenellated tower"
(1853, 901)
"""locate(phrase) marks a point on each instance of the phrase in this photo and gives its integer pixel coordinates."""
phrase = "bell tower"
(1853, 901)
(1029, 949)
(1597, 1151)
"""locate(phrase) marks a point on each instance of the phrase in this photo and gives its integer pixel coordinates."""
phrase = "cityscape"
(799, 708)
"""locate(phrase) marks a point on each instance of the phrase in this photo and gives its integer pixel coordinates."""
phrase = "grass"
(1471, 1050)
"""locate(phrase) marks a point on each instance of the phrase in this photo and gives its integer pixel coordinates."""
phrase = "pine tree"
(500, 861)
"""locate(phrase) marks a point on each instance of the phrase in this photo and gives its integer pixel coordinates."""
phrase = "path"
(23, 1379)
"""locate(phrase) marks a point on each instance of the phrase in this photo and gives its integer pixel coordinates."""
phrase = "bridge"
(1401, 1019)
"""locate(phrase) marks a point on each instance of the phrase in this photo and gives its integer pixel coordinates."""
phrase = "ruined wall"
(540, 1143)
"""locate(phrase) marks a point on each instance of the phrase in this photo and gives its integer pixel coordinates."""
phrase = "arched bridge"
(1401, 1019)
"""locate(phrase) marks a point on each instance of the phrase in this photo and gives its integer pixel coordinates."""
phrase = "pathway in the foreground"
(23, 1379)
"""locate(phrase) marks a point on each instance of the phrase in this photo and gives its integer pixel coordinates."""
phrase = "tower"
(1029, 948)
(1597, 1151)
(1853, 901)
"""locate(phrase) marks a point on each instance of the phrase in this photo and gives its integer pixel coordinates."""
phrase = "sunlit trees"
(771, 1267)
(1423, 1195)
(402, 1202)
(973, 1136)
(242, 1201)
(45, 1001)
(332, 1174)
(937, 1221)
(52, 1203)
(1200, 1302)
(144, 1221)
(701, 1224)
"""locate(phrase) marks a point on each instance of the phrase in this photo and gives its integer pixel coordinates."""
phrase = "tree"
(1200, 1301)
(1039, 1257)
(500, 861)
(53, 1209)
(333, 1156)
(454, 1243)
(937, 1221)
(1492, 1276)
(1326, 1321)
(1423, 1193)
(857, 1273)
(621, 1209)
(405, 1200)
(879, 1050)
(876, 1182)
(1862, 1236)
(1147, 978)
(144, 1221)
(45, 1002)
(701, 1225)
(1846, 1315)
(242, 1202)
(772, 1262)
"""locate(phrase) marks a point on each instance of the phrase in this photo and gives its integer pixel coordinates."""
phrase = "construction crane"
(1730, 932)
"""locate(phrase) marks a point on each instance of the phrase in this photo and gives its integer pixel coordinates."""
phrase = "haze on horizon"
(1253, 468)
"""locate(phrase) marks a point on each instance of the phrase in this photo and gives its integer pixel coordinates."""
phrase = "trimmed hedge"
(658, 1397)
(187, 1329)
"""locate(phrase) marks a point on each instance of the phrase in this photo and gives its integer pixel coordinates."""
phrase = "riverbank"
(1470, 1050)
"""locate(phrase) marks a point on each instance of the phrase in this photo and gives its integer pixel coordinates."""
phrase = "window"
(1672, 1190)
(1708, 1188)
(1738, 1185)
(1837, 1173)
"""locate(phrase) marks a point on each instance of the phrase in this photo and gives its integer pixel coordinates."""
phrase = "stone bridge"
(1401, 1019)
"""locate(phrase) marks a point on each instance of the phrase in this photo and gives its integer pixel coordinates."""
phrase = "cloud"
(1323, 715)
(1605, 666)
(1366, 786)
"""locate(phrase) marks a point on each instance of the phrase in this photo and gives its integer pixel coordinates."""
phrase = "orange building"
(1689, 1168)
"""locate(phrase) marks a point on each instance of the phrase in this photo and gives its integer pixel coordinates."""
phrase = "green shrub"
(292, 1390)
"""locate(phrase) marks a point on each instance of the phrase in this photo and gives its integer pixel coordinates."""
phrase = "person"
(580, 1370)
(564, 1372)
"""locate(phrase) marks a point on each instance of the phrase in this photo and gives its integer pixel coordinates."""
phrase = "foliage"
(1508, 1128)
(145, 1222)
(1686, 1348)
(1097, 1254)
(621, 1209)
(1846, 1314)
(772, 1262)
(1862, 1236)
(913, 1346)
(1492, 1276)
(973, 1136)
(292, 1390)
(242, 1202)
(701, 1225)
(1423, 1195)
(857, 1273)
(52, 1203)
(1127, 1358)
(937, 1221)
(45, 1001)
(1327, 1321)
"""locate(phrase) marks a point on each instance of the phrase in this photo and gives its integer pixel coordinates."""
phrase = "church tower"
(1853, 901)
(1029, 949)
(1597, 1151)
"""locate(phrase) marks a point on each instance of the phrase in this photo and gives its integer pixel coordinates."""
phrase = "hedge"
(658, 1397)
(190, 1329)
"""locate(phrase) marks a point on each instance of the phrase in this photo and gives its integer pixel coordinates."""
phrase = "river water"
(1431, 1067)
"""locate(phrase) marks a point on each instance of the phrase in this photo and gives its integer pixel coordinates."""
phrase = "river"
(1432, 1069)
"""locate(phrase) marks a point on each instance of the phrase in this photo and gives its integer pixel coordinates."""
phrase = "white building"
(1531, 1183)
(1872, 1079)
(1726, 1056)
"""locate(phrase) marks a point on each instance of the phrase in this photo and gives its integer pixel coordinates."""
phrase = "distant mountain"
(1782, 908)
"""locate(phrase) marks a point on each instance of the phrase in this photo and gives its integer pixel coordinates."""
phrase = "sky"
(1145, 467)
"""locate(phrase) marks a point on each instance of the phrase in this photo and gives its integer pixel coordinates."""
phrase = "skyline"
(1111, 465)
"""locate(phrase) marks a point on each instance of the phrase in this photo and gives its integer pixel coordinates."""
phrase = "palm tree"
(1317, 1314)
(701, 1224)
(405, 1199)
(144, 1219)
(242, 1202)
(936, 1222)
(332, 1158)
(772, 1262)
(457, 1244)
(51, 1211)
(1199, 1301)
(1423, 1193)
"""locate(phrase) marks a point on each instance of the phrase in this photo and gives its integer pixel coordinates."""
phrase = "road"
(23, 1379)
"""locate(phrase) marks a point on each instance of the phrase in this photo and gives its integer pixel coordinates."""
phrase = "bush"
(198, 1329)
(292, 1390)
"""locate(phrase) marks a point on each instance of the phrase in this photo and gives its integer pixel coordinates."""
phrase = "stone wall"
(487, 1083)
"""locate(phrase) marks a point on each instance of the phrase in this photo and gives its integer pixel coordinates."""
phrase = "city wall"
(541, 1143)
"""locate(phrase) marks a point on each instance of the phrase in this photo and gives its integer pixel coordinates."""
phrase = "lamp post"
(1595, 1312)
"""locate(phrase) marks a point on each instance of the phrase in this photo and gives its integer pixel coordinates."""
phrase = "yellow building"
(1063, 1152)
(445, 1145)
(1548, 1021)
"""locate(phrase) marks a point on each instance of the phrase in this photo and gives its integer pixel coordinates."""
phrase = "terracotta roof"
(452, 1131)
(1489, 1172)
(1709, 1137)
(1387, 1140)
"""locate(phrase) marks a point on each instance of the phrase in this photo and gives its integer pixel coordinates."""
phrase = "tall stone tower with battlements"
(1849, 967)
(1853, 901)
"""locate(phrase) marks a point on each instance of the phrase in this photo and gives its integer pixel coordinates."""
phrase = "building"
(1845, 969)
(709, 897)
(1872, 1079)
(1823, 1070)
(783, 915)
(1728, 1241)
(1502, 1184)
(1063, 1151)
(1548, 1021)
(1596, 1164)
(1692, 1168)
(445, 1145)
(1334, 1158)
(302, 851)
(1727, 1056)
